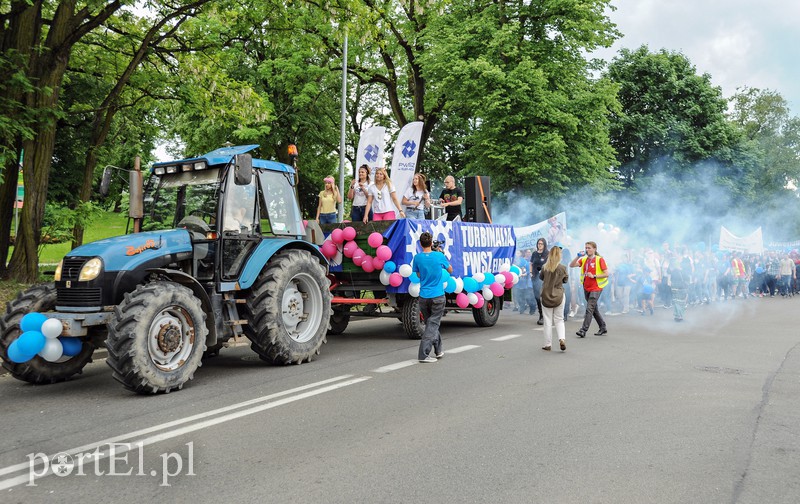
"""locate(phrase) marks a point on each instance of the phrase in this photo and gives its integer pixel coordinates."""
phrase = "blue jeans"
(327, 218)
(431, 310)
(415, 213)
(357, 213)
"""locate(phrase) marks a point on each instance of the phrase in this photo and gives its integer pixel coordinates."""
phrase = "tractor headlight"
(90, 270)
(57, 276)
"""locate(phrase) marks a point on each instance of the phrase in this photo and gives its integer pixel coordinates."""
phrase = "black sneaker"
(601, 332)
(581, 333)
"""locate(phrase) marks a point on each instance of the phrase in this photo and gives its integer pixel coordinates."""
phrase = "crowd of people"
(376, 200)
(674, 276)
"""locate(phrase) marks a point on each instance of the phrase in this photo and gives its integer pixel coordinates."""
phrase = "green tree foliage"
(516, 77)
(671, 117)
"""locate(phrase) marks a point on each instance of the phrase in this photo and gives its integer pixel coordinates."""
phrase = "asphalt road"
(703, 411)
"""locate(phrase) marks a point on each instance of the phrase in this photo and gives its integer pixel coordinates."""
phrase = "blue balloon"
(413, 278)
(451, 285)
(471, 285)
(488, 279)
(389, 267)
(31, 342)
(32, 322)
(16, 355)
(515, 269)
(445, 276)
(71, 346)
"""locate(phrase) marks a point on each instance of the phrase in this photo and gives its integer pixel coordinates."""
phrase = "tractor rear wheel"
(157, 338)
(288, 308)
(42, 299)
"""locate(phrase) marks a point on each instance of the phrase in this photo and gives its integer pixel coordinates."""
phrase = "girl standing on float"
(380, 197)
(358, 193)
(417, 198)
(328, 199)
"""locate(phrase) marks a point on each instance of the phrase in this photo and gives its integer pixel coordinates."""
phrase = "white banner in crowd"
(404, 162)
(554, 230)
(750, 244)
(370, 150)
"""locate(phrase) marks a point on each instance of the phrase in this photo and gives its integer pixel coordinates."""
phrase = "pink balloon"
(349, 233)
(384, 253)
(497, 289)
(462, 300)
(395, 279)
(378, 263)
(375, 240)
(305, 223)
(336, 236)
(328, 249)
(367, 265)
(358, 257)
(350, 248)
(480, 302)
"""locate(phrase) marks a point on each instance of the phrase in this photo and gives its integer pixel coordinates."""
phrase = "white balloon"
(515, 277)
(413, 289)
(505, 267)
(479, 277)
(384, 277)
(473, 298)
(600, 225)
(52, 328)
(405, 270)
(52, 350)
(487, 293)
(459, 285)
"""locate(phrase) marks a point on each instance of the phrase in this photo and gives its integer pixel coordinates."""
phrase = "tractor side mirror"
(105, 182)
(243, 169)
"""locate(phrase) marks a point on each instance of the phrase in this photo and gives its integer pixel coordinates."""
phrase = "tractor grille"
(80, 297)
(72, 267)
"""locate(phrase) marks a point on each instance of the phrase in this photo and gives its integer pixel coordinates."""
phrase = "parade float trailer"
(222, 258)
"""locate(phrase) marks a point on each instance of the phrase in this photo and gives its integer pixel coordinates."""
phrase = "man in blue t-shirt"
(428, 265)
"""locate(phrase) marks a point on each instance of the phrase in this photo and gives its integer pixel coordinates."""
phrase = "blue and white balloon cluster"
(472, 290)
(42, 336)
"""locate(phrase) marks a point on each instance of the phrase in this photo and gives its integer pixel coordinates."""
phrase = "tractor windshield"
(185, 199)
(280, 214)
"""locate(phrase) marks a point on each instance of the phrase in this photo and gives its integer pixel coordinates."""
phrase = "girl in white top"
(358, 193)
(417, 198)
(380, 197)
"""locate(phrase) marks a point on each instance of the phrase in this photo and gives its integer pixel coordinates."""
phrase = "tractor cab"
(228, 202)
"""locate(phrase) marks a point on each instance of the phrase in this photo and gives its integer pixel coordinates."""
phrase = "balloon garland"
(42, 336)
(472, 290)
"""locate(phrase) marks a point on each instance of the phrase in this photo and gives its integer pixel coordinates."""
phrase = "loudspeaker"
(478, 196)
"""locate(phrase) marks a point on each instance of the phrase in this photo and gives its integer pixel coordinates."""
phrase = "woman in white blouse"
(381, 197)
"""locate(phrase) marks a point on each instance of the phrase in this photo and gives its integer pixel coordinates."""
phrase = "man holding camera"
(428, 265)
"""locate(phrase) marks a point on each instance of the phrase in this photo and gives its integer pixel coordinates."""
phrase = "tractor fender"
(189, 281)
(264, 252)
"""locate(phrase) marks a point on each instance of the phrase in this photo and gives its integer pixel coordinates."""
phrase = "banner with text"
(554, 230)
(750, 244)
(370, 150)
(404, 161)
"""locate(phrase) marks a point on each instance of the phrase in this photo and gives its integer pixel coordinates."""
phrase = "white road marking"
(395, 366)
(462, 349)
(506, 338)
(92, 446)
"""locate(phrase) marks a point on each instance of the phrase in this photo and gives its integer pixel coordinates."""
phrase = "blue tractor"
(219, 259)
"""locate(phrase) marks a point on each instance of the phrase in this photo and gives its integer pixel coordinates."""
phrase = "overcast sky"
(738, 42)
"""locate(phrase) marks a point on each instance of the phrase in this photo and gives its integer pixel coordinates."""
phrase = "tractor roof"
(221, 156)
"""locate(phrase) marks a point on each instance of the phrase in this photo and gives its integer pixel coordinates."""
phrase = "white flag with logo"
(404, 161)
(370, 150)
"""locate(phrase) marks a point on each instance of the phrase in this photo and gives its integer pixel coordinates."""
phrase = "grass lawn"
(106, 225)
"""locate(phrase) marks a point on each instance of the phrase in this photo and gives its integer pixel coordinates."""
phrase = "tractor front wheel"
(157, 338)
